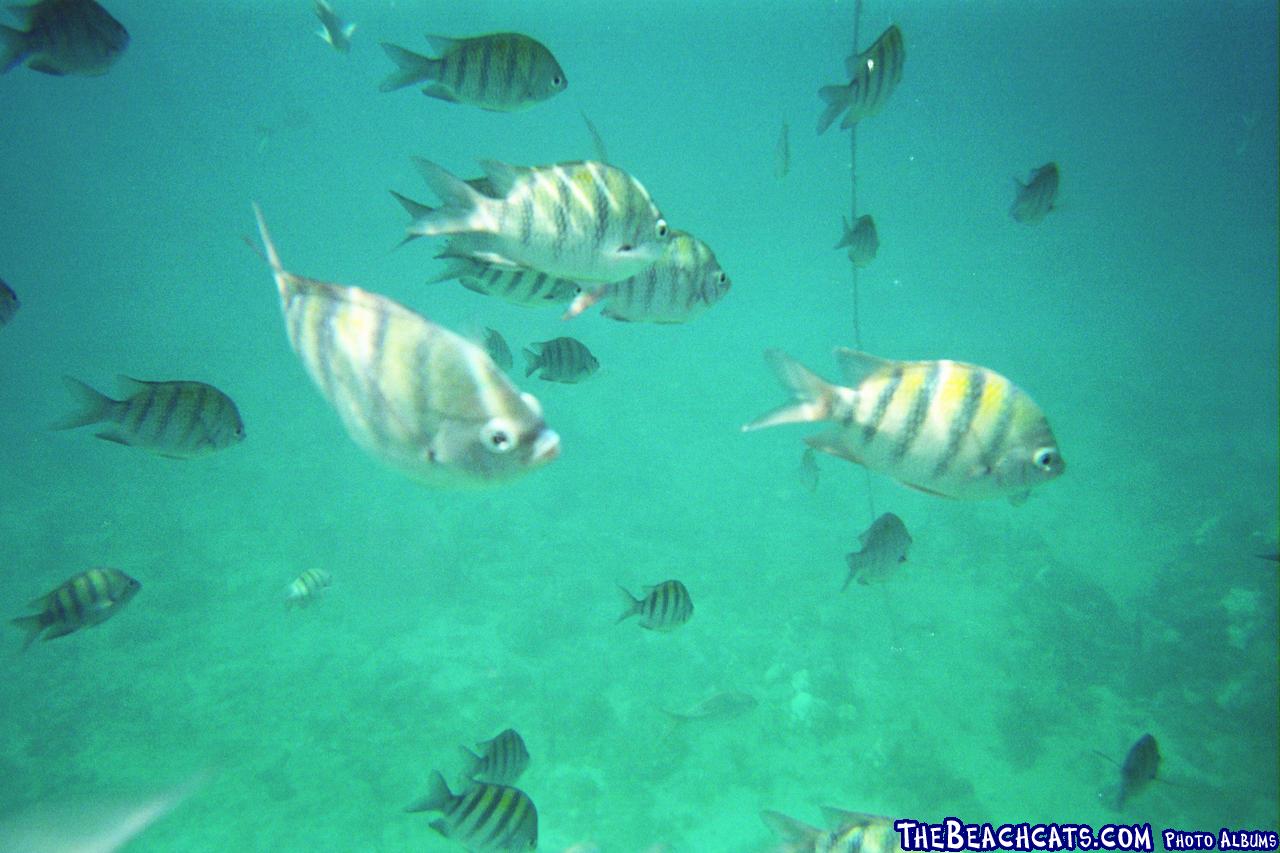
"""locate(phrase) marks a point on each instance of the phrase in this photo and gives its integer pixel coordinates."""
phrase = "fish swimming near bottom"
(1034, 200)
(884, 548)
(560, 360)
(83, 600)
(63, 37)
(9, 303)
(1139, 769)
(847, 832)
(721, 706)
(500, 761)
(484, 817)
(306, 588)
(663, 607)
(862, 239)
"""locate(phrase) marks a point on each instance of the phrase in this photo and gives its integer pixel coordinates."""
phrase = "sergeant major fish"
(1034, 200)
(873, 75)
(517, 285)
(584, 221)
(884, 547)
(333, 30)
(306, 587)
(85, 599)
(501, 72)
(9, 303)
(412, 393)
(663, 607)
(848, 832)
(560, 360)
(941, 427)
(484, 817)
(180, 420)
(862, 240)
(63, 37)
(501, 760)
(496, 346)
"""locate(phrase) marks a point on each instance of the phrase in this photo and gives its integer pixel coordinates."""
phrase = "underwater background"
(982, 681)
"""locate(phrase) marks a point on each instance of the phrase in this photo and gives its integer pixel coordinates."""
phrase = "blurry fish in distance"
(847, 832)
(584, 221)
(884, 548)
(782, 153)
(63, 37)
(873, 75)
(501, 72)
(722, 706)
(9, 303)
(560, 360)
(517, 285)
(501, 759)
(306, 587)
(809, 469)
(1034, 200)
(83, 600)
(664, 607)
(410, 392)
(179, 420)
(862, 240)
(496, 346)
(942, 427)
(335, 32)
(1140, 767)
(484, 817)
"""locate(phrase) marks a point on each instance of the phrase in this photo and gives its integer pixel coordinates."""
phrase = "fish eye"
(1046, 459)
(662, 228)
(498, 436)
(557, 81)
(722, 278)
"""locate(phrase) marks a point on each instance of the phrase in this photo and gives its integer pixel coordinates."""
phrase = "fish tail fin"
(410, 68)
(32, 624)
(532, 361)
(796, 834)
(416, 210)
(95, 406)
(812, 397)
(837, 98)
(464, 209)
(13, 48)
(438, 795)
(630, 605)
(584, 300)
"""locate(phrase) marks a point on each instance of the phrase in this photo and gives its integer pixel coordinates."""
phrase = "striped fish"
(484, 817)
(85, 599)
(501, 760)
(847, 832)
(306, 588)
(862, 240)
(941, 427)
(873, 75)
(685, 281)
(517, 285)
(664, 607)
(9, 303)
(179, 420)
(496, 346)
(1034, 199)
(585, 221)
(560, 360)
(501, 72)
(63, 37)
(412, 393)
(335, 31)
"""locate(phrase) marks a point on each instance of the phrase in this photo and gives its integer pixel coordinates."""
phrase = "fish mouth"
(545, 448)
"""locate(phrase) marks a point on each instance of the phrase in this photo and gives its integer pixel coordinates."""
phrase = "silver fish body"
(9, 303)
(873, 75)
(500, 761)
(862, 239)
(307, 587)
(63, 37)
(85, 599)
(884, 548)
(333, 30)
(664, 607)
(941, 427)
(683, 283)
(517, 285)
(500, 72)
(412, 393)
(484, 817)
(585, 221)
(496, 346)
(560, 360)
(1034, 200)
(180, 420)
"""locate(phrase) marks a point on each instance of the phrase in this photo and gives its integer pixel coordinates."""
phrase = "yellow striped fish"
(942, 427)
(585, 221)
(663, 607)
(410, 392)
(847, 832)
(862, 240)
(179, 420)
(501, 72)
(873, 75)
(85, 599)
(517, 285)
(685, 281)
(1034, 200)
(484, 817)
(501, 760)
(306, 587)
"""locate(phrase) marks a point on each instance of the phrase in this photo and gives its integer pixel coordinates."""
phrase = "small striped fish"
(862, 240)
(496, 346)
(585, 221)
(9, 303)
(1034, 199)
(63, 37)
(484, 817)
(873, 75)
(847, 832)
(501, 760)
(410, 392)
(941, 427)
(179, 420)
(685, 281)
(86, 599)
(517, 285)
(501, 72)
(306, 587)
(664, 607)
(560, 360)
(335, 31)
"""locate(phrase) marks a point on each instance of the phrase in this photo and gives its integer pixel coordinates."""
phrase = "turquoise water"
(1015, 644)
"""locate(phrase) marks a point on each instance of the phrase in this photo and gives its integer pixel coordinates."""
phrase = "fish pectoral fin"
(829, 442)
(443, 93)
(45, 68)
(926, 490)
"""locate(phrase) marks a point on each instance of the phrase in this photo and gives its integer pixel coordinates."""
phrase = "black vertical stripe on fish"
(602, 210)
(511, 807)
(526, 219)
(162, 422)
(976, 381)
(512, 64)
(1000, 432)
(486, 57)
(919, 411)
(561, 213)
(492, 798)
(195, 420)
(872, 426)
(132, 405)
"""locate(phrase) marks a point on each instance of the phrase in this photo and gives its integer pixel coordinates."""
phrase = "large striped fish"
(862, 239)
(63, 37)
(9, 303)
(941, 427)
(85, 599)
(873, 75)
(585, 221)
(663, 607)
(517, 285)
(501, 72)
(501, 760)
(179, 420)
(484, 817)
(410, 392)
(1034, 199)
(847, 832)
(684, 282)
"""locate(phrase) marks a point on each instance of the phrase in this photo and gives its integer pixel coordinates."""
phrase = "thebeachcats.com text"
(953, 834)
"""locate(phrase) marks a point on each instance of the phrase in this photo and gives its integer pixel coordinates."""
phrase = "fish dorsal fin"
(846, 233)
(129, 386)
(789, 829)
(597, 141)
(857, 366)
(841, 819)
(441, 44)
(502, 175)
